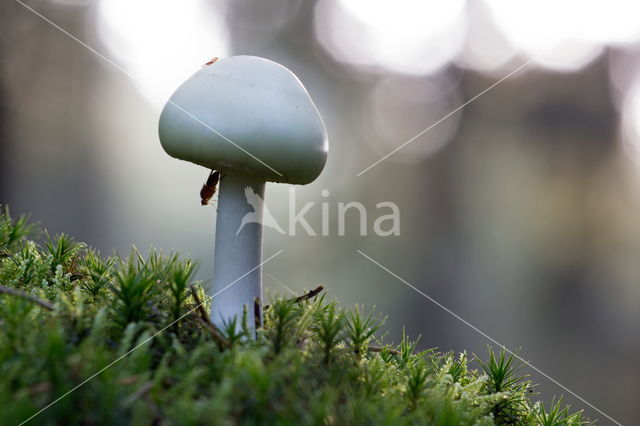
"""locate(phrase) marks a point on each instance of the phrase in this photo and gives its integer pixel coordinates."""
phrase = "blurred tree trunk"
(49, 163)
(4, 105)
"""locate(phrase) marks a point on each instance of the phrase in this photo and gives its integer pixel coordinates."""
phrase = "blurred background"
(520, 212)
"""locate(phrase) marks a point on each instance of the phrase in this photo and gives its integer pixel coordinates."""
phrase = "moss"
(102, 340)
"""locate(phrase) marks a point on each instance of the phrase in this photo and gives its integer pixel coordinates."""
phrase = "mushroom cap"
(246, 115)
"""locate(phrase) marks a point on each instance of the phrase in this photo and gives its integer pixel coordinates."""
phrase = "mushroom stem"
(238, 250)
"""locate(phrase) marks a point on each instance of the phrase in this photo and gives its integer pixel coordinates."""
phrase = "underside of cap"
(246, 115)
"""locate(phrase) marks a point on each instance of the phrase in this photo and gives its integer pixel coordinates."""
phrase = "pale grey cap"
(242, 109)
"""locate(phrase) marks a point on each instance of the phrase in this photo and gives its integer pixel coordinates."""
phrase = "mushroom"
(252, 120)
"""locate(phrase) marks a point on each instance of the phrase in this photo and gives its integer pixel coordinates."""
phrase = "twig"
(306, 296)
(215, 333)
(257, 313)
(27, 296)
(204, 319)
(309, 295)
(129, 380)
(140, 392)
(383, 349)
(6, 253)
(199, 304)
(41, 387)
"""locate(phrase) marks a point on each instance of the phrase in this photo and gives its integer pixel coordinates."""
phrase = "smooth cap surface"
(253, 103)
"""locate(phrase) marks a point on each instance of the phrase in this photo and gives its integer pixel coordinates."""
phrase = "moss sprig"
(67, 313)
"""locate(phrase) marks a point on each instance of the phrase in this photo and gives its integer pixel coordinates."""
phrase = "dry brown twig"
(309, 295)
(205, 321)
(27, 296)
(383, 349)
(139, 393)
(306, 296)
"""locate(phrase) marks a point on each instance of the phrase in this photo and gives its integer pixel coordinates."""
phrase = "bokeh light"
(161, 42)
(486, 49)
(400, 107)
(567, 35)
(407, 36)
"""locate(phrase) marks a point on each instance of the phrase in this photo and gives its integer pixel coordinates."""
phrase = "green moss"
(95, 340)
